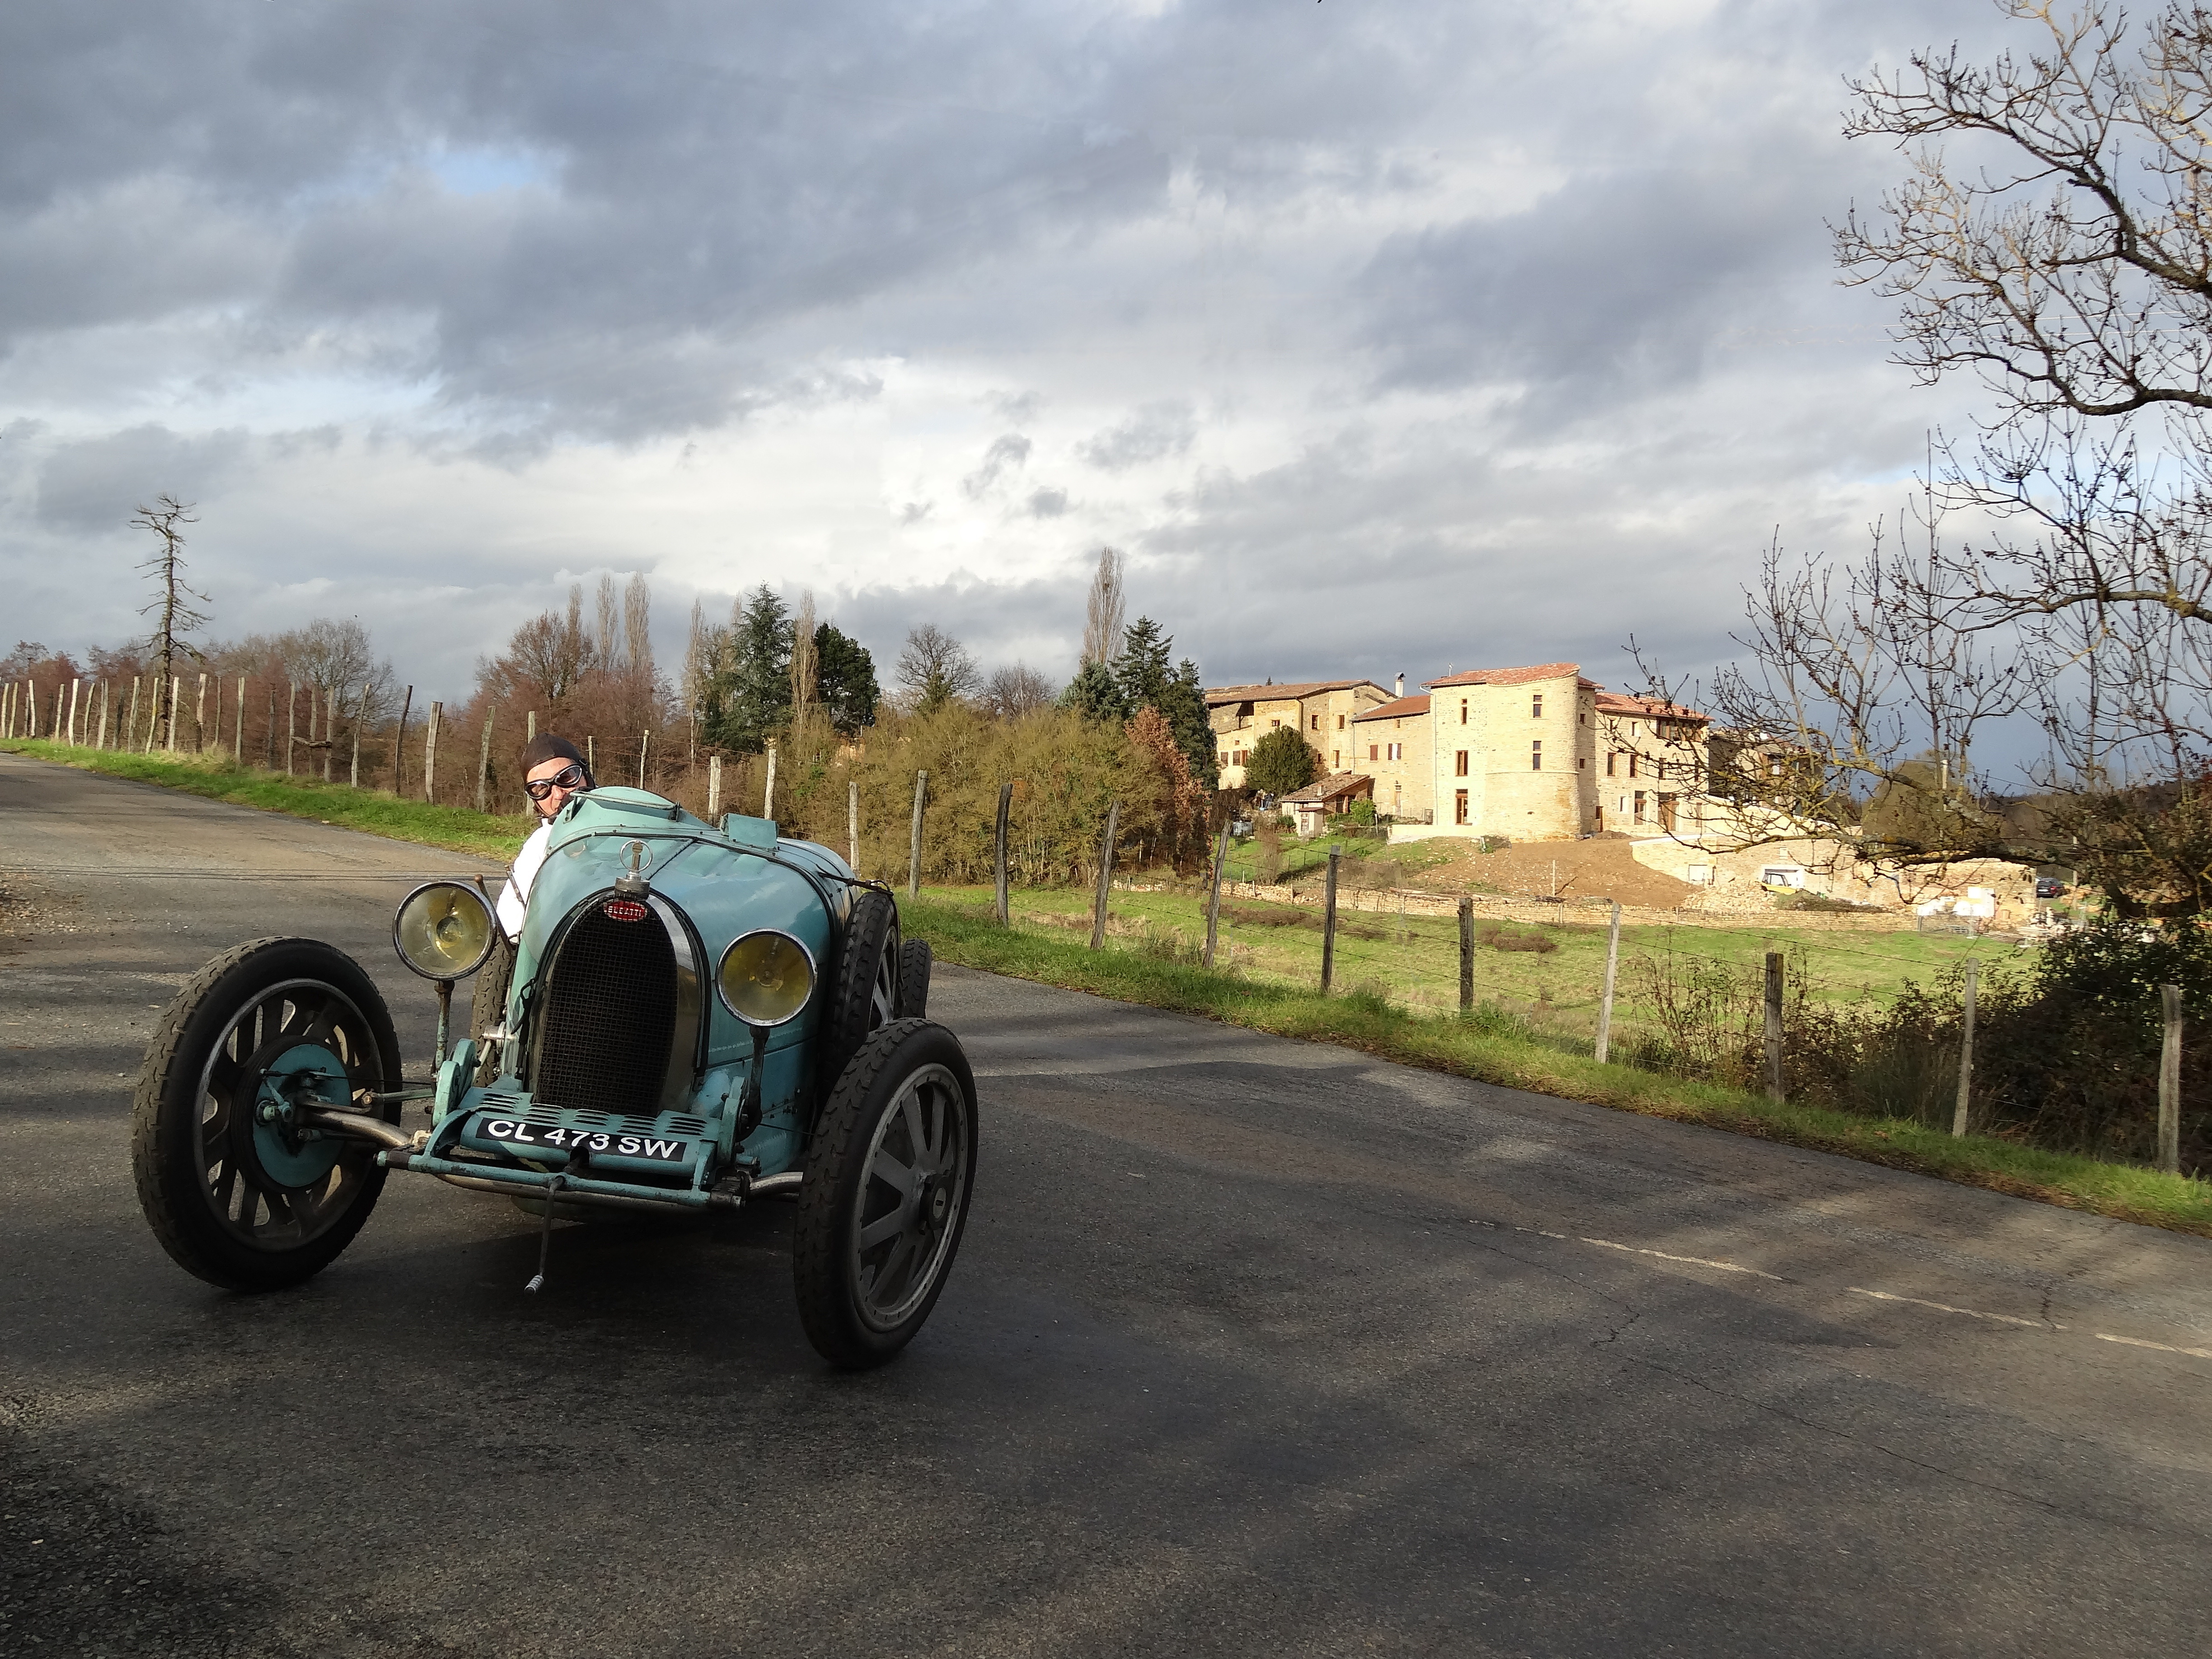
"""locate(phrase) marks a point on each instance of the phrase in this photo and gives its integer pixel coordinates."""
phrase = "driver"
(553, 770)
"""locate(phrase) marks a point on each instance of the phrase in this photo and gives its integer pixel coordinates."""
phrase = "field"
(1413, 961)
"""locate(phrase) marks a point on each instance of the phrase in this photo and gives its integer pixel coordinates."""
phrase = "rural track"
(1254, 1346)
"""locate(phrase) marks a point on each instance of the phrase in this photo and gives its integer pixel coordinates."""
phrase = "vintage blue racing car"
(692, 1017)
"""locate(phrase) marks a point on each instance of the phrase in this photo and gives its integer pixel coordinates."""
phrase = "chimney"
(1401, 685)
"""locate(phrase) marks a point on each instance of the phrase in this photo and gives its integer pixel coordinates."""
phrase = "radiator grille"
(608, 1018)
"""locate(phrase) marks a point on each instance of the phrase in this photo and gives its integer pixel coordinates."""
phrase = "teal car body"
(658, 1118)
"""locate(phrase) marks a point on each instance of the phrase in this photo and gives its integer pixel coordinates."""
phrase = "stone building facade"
(1394, 744)
(1320, 711)
(1513, 752)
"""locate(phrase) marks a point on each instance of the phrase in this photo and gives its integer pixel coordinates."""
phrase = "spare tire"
(861, 988)
(914, 959)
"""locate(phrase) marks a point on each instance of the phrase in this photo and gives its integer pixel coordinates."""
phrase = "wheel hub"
(290, 1154)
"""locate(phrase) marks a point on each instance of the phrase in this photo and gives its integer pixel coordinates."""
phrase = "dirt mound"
(1566, 869)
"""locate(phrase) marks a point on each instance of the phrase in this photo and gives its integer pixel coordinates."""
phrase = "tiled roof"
(1336, 784)
(1548, 670)
(1283, 693)
(1396, 709)
(1617, 702)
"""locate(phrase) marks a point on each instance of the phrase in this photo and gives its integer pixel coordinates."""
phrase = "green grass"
(1489, 1047)
(376, 810)
(1414, 960)
(1516, 1041)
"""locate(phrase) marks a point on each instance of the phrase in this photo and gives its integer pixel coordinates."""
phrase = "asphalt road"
(1254, 1348)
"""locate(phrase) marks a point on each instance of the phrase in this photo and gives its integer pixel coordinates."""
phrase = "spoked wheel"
(889, 1172)
(863, 984)
(237, 1191)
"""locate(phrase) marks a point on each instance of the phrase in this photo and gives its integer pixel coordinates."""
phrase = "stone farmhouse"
(1534, 753)
(1319, 710)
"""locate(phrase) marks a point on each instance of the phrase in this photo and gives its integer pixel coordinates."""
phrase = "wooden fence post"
(999, 855)
(714, 789)
(1966, 1058)
(1213, 896)
(1328, 922)
(430, 752)
(360, 713)
(176, 687)
(592, 758)
(914, 841)
(330, 733)
(483, 755)
(1774, 1025)
(199, 719)
(644, 752)
(400, 746)
(291, 723)
(1105, 872)
(1466, 956)
(68, 726)
(767, 789)
(1605, 1002)
(130, 715)
(2169, 1083)
(852, 824)
(238, 734)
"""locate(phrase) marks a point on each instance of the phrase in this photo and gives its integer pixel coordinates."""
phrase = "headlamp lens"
(765, 978)
(443, 930)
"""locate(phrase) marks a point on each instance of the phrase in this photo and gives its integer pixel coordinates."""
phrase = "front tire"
(889, 1172)
(237, 1200)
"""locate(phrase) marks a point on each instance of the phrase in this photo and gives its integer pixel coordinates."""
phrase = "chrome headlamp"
(765, 978)
(444, 930)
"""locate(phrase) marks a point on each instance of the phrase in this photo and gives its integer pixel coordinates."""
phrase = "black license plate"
(595, 1143)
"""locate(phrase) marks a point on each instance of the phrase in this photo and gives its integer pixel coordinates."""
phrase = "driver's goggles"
(570, 776)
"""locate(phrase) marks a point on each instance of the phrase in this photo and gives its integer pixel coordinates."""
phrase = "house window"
(1632, 763)
(1397, 751)
(1611, 756)
(1274, 726)
(1662, 771)
(1536, 707)
(1459, 764)
(1336, 760)
(1225, 758)
(1374, 751)
(1536, 756)
(1339, 722)
(1459, 807)
(1580, 763)
(1462, 711)
(1639, 806)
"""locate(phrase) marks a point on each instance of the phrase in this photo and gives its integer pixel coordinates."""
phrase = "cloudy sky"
(1383, 335)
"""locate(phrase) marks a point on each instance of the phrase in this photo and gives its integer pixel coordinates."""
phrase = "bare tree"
(1103, 608)
(172, 608)
(2059, 250)
(1010, 693)
(933, 669)
(607, 638)
(637, 623)
(804, 665)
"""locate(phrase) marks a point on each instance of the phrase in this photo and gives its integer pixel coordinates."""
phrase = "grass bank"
(377, 810)
(1478, 1047)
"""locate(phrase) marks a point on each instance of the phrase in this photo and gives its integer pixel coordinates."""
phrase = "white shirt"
(516, 895)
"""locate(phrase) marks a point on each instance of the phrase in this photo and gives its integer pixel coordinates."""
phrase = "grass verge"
(376, 810)
(965, 934)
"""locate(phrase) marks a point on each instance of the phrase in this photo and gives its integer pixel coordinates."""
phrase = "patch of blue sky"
(485, 170)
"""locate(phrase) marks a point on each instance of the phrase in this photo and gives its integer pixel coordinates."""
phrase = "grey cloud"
(1005, 455)
(1152, 434)
(1047, 503)
(96, 484)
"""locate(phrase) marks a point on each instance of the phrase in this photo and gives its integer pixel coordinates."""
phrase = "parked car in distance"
(2048, 887)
